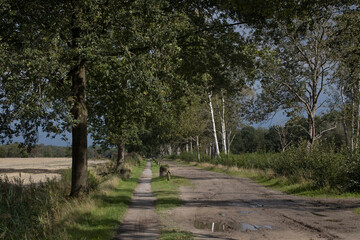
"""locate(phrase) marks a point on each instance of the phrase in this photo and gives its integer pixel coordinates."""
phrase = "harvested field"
(37, 169)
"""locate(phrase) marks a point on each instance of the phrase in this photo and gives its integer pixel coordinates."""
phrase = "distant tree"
(3, 152)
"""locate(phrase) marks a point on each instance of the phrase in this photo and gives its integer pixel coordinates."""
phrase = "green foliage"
(321, 165)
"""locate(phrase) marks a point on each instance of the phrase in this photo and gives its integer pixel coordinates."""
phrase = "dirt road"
(223, 207)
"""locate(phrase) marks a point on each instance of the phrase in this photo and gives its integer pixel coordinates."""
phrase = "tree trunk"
(79, 180)
(357, 116)
(191, 145)
(344, 117)
(217, 150)
(120, 160)
(198, 148)
(311, 129)
(223, 126)
(352, 121)
(187, 147)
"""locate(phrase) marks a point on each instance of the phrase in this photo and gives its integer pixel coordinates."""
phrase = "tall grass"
(30, 211)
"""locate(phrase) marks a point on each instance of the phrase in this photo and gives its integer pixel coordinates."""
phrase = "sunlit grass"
(357, 210)
(99, 215)
(176, 235)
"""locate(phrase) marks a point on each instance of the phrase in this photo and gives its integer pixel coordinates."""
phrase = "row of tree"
(147, 74)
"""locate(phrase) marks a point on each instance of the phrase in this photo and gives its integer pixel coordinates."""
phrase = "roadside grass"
(98, 216)
(167, 197)
(267, 178)
(176, 235)
(357, 210)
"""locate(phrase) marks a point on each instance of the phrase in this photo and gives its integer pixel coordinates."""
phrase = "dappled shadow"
(144, 230)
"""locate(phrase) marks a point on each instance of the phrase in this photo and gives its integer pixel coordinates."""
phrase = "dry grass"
(35, 170)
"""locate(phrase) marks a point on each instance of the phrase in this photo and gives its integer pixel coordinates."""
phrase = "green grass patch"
(176, 235)
(357, 210)
(99, 215)
(166, 192)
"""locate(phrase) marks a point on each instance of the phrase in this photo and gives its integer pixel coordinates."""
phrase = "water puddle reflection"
(222, 227)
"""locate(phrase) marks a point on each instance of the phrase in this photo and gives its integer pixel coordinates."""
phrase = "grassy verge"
(357, 210)
(176, 235)
(167, 197)
(98, 216)
(268, 179)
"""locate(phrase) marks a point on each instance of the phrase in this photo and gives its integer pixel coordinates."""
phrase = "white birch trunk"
(223, 126)
(217, 150)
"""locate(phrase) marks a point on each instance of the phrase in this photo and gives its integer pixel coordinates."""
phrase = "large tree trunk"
(217, 150)
(79, 181)
(120, 160)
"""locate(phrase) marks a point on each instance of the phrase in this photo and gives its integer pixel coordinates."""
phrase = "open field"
(37, 169)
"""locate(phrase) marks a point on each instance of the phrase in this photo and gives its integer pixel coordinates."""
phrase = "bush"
(321, 165)
(353, 173)
(133, 159)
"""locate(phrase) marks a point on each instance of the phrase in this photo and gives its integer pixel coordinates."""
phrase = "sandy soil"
(36, 169)
(218, 206)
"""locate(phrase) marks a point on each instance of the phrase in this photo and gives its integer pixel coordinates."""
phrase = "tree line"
(15, 150)
(147, 75)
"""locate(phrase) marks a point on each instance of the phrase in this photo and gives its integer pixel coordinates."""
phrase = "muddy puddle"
(228, 226)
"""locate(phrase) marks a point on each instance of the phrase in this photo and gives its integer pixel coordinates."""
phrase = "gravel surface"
(219, 206)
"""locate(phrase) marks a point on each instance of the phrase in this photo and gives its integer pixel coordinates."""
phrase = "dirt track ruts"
(238, 208)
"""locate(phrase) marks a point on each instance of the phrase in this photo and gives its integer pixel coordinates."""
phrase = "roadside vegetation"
(320, 172)
(167, 197)
(45, 211)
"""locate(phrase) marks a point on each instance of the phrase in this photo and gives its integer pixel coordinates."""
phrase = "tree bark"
(311, 129)
(344, 117)
(198, 148)
(79, 180)
(223, 126)
(120, 160)
(217, 150)
(357, 116)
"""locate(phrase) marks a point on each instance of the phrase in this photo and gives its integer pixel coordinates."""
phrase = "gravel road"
(219, 206)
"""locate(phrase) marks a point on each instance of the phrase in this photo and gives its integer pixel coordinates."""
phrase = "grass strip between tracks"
(99, 215)
(167, 197)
